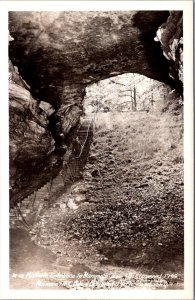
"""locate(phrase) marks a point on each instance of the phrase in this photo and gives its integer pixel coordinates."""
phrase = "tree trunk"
(134, 99)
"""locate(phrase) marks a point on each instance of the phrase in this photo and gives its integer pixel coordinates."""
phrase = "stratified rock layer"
(170, 35)
(31, 141)
(72, 49)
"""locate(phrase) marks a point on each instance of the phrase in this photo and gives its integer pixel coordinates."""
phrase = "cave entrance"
(126, 94)
(136, 114)
(139, 113)
(134, 168)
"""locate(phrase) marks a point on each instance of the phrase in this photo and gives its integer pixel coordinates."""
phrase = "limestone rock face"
(31, 134)
(30, 139)
(60, 52)
(170, 35)
(48, 109)
(55, 55)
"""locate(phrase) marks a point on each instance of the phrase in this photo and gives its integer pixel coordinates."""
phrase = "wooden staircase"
(26, 212)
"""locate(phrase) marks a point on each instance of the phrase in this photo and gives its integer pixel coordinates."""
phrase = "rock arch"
(58, 54)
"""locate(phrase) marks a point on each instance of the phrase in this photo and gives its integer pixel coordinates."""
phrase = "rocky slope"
(128, 209)
(136, 197)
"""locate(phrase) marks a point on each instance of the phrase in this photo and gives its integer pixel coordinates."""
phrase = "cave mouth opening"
(140, 118)
(136, 146)
(137, 118)
(127, 95)
(137, 114)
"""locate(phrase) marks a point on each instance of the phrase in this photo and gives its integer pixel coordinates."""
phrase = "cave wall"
(58, 54)
(170, 35)
(31, 146)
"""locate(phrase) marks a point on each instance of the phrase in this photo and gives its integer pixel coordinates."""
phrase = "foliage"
(128, 92)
